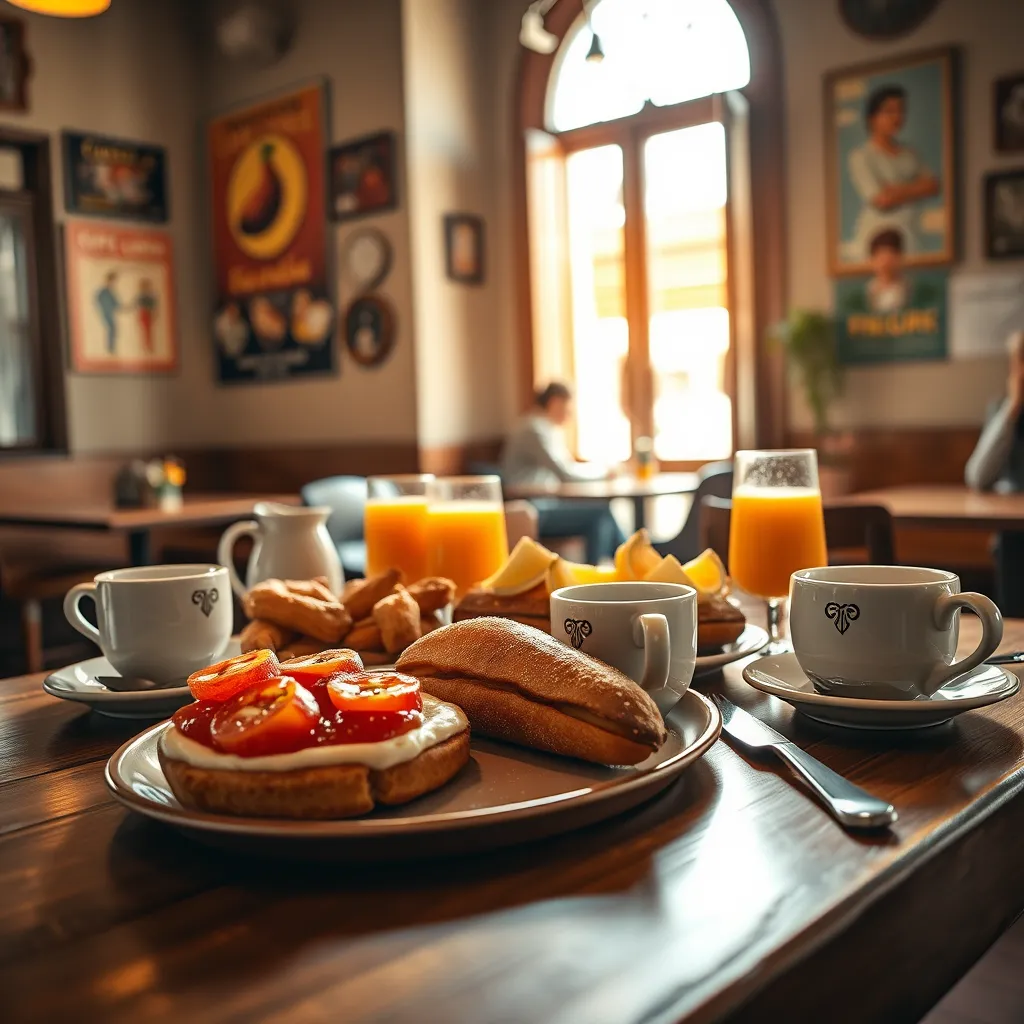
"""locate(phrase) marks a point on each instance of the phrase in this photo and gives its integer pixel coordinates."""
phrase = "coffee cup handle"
(249, 528)
(991, 634)
(74, 614)
(650, 631)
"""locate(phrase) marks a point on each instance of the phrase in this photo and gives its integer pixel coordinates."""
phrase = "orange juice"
(396, 536)
(466, 540)
(773, 532)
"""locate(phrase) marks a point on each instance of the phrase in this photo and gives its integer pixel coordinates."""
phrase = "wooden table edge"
(834, 924)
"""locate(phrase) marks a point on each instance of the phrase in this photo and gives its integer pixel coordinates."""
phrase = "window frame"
(760, 371)
(36, 198)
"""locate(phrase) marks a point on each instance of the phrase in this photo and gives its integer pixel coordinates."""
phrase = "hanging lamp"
(64, 8)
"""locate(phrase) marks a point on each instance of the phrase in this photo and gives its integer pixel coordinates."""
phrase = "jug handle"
(225, 549)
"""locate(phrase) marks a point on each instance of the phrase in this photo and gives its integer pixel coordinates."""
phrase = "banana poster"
(273, 318)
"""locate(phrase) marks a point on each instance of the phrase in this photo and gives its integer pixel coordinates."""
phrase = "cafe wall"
(815, 40)
(451, 169)
(357, 47)
(131, 73)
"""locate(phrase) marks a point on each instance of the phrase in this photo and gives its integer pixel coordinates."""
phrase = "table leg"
(139, 547)
(639, 519)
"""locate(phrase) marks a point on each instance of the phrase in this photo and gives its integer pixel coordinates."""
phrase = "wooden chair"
(848, 529)
(714, 480)
(30, 587)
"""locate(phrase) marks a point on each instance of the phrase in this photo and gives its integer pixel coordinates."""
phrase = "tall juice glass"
(395, 525)
(777, 526)
(466, 535)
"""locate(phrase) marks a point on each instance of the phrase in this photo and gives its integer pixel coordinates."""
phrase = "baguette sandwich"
(517, 684)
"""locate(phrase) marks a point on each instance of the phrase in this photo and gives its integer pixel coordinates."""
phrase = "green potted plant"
(808, 338)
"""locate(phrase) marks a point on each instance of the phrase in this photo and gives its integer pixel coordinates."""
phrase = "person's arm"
(863, 177)
(920, 184)
(991, 454)
(546, 455)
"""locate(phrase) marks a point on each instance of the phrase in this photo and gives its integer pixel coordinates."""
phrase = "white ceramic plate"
(782, 676)
(505, 795)
(750, 641)
(81, 682)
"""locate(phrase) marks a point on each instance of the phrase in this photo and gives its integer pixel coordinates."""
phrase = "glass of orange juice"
(395, 525)
(776, 527)
(466, 536)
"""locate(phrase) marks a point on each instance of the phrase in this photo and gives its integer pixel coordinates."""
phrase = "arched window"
(639, 223)
(654, 51)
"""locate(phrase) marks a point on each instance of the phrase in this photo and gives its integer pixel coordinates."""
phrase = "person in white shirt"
(535, 455)
(997, 463)
(889, 177)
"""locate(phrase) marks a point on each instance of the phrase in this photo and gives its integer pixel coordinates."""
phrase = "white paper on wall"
(984, 308)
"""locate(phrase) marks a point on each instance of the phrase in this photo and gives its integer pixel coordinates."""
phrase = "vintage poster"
(121, 304)
(106, 177)
(894, 315)
(273, 318)
(889, 137)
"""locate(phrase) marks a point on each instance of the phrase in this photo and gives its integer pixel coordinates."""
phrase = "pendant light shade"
(596, 52)
(64, 8)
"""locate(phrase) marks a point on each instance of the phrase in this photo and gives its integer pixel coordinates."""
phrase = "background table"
(733, 896)
(638, 491)
(196, 510)
(947, 507)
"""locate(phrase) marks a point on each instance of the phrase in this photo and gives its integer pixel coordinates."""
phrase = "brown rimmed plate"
(505, 795)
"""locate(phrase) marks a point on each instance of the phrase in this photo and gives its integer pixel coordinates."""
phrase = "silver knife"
(852, 806)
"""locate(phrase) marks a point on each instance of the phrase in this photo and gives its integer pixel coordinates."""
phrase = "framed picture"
(105, 177)
(15, 65)
(464, 247)
(121, 300)
(889, 143)
(370, 330)
(273, 318)
(1004, 215)
(1008, 111)
(362, 176)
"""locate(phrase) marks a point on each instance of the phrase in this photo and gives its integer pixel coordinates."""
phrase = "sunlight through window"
(662, 51)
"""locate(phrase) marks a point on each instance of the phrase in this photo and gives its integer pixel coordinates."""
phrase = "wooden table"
(733, 896)
(196, 510)
(955, 507)
(639, 491)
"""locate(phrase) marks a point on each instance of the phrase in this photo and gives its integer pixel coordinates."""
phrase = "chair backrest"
(715, 481)
(520, 521)
(346, 497)
(847, 527)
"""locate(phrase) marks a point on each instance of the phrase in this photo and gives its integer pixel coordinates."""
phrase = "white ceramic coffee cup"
(646, 630)
(884, 631)
(158, 622)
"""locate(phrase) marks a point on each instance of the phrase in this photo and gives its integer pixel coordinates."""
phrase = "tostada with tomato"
(313, 737)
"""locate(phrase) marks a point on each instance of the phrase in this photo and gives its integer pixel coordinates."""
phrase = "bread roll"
(532, 608)
(517, 684)
(719, 622)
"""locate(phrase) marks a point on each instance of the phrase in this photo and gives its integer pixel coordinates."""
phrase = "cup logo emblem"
(205, 599)
(842, 614)
(578, 630)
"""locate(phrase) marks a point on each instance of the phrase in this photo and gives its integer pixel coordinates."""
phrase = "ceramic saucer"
(81, 682)
(750, 641)
(782, 676)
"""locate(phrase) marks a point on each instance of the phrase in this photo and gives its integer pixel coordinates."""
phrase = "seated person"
(998, 463)
(535, 455)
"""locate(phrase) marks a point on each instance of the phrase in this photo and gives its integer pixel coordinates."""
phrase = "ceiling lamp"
(596, 52)
(64, 8)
